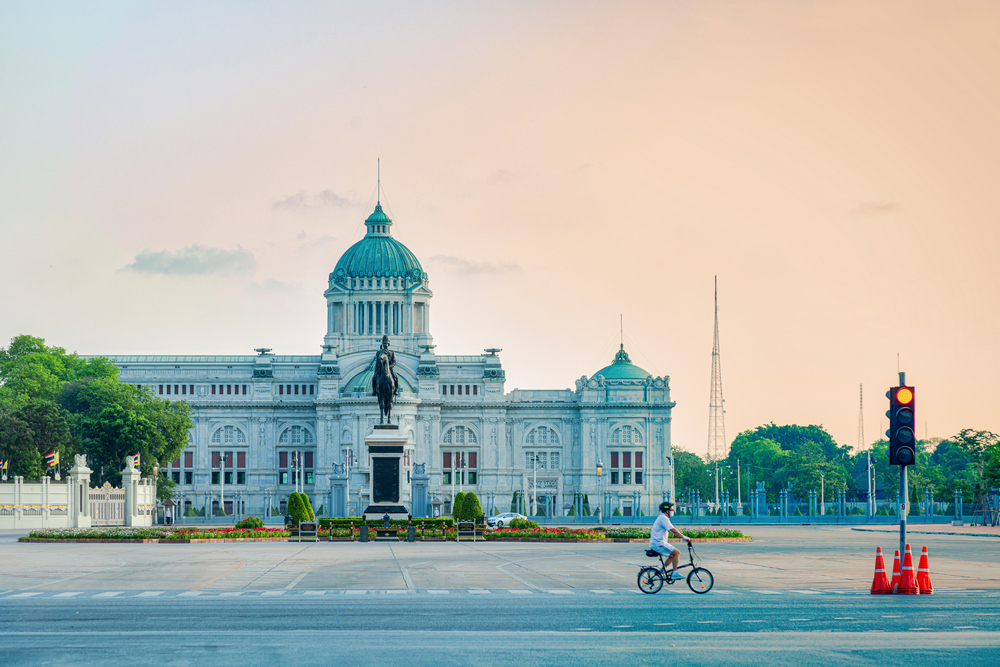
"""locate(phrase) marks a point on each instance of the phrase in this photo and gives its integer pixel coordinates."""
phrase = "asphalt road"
(795, 596)
(460, 627)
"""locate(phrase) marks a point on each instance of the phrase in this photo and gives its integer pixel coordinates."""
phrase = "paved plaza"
(795, 595)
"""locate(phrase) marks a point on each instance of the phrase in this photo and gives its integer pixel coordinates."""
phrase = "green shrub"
(617, 512)
(516, 500)
(308, 507)
(471, 508)
(798, 511)
(523, 524)
(456, 505)
(250, 522)
(586, 505)
(297, 508)
(220, 510)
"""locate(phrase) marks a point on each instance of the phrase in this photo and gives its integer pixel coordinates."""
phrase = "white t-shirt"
(662, 526)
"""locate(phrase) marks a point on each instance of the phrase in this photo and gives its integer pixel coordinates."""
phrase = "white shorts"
(664, 548)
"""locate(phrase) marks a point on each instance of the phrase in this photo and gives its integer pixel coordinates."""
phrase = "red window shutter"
(638, 459)
(241, 459)
(614, 459)
(309, 459)
(215, 459)
(283, 459)
(472, 459)
(184, 389)
(296, 390)
(161, 388)
(191, 389)
(213, 388)
(229, 389)
(177, 462)
(626, 459)
(475, 389)
(447, 460)
(312, 389)
(230, 462)
(281, 389)
(188, 459)
(168, 390)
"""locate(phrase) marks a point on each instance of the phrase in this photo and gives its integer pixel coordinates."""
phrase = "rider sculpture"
(385, 383)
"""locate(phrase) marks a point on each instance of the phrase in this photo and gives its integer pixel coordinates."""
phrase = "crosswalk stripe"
(108, 594)
(68, 594)
(149, 594)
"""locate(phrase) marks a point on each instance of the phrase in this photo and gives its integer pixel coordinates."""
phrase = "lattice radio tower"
(717, 445)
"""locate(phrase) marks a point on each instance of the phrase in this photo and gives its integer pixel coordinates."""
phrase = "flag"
(52, 458)
(134, 461)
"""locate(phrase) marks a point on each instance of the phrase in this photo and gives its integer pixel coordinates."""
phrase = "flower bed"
(694, 534)
(558, 534)
(153, 534)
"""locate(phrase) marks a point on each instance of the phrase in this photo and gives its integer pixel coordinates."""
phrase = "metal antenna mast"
(717, 446)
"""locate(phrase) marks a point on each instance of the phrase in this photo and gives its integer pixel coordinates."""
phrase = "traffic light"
(902, 441)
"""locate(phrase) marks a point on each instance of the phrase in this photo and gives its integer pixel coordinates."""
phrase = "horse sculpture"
(384, 390)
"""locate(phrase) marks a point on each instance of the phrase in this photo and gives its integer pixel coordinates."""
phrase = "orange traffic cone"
(894, 584)
(924, 575)
(907, 577)
(880, 585)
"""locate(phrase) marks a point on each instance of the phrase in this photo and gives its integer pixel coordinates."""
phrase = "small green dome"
(378, 255)
(622, 368)
(362, 382)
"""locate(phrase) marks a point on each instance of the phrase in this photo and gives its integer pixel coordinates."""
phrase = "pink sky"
(552, 165)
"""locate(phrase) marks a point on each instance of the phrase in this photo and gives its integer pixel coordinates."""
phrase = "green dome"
(622, 368)
(378, 255)
(362, 382)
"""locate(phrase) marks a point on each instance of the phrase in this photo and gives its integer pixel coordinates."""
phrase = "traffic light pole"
(904, 509)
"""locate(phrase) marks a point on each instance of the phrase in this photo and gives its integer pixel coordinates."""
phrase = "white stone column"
(130, 480)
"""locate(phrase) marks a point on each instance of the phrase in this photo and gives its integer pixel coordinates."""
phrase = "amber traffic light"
(902, 441)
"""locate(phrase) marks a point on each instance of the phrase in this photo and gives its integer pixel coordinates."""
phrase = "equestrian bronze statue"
(385, 384)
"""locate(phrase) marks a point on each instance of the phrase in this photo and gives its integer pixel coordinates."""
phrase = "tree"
(456, 505)
(307, 506)
(471, 508)
(691, 472)
(115, 420)
(16, 447)
(164, 488)
(978, 447)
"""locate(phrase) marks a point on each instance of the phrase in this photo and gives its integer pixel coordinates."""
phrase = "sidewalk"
(969, 531)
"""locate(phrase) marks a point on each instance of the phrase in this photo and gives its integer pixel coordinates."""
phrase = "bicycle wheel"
(650, 580)
(700, 580)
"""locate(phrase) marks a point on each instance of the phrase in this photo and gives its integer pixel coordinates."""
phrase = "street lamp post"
(222, 482)
(600, 509)
(534, 484)
(822, 490)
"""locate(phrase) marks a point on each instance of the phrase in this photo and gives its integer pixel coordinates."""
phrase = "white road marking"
(621, 626)
(479, 591)
(519, 591)
(296, 580)
(602, 592)
(800, 619)
(664, 624)
(189, 594)
(965, 627)
(67, 595)
(273, 593)
(437, 591)
(232, 593)
(752, 621)
(354, 591)
(26, 595)
(559, 591)
(315, 593)
(108, 594)
(149, 594)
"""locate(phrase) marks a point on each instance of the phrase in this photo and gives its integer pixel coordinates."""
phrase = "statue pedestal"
(385, 447)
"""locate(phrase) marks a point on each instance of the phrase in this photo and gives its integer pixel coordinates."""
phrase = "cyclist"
(658, 539)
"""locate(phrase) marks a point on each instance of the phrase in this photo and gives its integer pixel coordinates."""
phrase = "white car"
(501, 520)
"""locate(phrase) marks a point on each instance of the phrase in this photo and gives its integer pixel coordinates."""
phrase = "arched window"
(626, 435)
(459, 435)
(542, 435)
(296, 435)
(228, 435)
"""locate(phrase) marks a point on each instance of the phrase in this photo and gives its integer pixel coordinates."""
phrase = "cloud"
(195, 260)
(467, 267)
(321, 242)
(871, 209)
(271, 286)
(322, 199)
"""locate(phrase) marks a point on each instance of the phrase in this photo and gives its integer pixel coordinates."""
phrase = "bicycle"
(651, 578)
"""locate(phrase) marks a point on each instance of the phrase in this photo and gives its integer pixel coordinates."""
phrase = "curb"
(927, 532)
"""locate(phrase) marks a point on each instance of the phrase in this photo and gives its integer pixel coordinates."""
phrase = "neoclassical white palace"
(282, 421)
